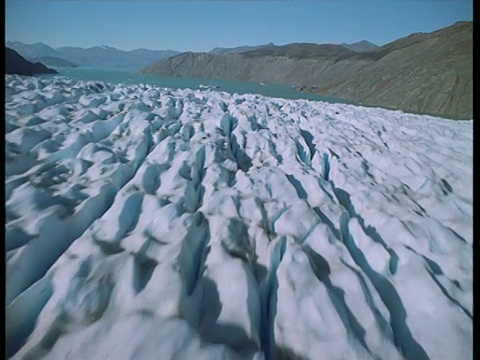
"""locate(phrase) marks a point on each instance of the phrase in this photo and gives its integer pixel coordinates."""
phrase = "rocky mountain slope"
(296, 64)
(16, 64)
(428, 73)
(424, 73)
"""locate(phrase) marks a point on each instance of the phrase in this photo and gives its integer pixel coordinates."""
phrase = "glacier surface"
(152, 223)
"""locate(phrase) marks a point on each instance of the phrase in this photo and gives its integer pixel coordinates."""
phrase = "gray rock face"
(431, 73)
(424, 73)
(296, 64)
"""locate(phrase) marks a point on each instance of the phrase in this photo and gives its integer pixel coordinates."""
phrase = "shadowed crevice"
(302, 194)
(402, 335)
(268, 300)
(211, 330)
(326, 167)
(308, 137)
(321, 269)
(435, 270)
(143, 268)
(244, 162)
(344, 199)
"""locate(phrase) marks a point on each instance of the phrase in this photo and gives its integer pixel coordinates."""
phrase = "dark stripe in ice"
(268, 297)
(403, 337)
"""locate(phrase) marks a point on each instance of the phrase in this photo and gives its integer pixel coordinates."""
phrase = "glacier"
(144, 222)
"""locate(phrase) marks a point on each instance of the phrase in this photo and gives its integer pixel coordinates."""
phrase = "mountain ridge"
(361, 46)
(94, 56)
(236, 49)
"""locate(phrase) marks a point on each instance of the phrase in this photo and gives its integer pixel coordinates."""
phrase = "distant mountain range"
(54, 61)
(110, 57)
(16, 64)
(424, 73)
(235, 50)
(97, 56)
(360, 46)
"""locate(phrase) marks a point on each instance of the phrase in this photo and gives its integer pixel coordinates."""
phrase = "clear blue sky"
(202, 25)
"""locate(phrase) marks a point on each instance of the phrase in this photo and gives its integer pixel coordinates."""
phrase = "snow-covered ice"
(151, 223)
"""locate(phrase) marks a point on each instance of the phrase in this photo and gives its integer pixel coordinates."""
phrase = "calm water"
(129, 77)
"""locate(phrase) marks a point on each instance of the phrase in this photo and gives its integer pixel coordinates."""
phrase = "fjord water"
(128, 76)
